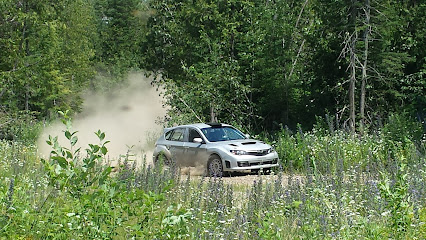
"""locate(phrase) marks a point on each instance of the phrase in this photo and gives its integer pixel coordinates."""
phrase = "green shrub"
(336, 194)
(67, 170)
(400, 128)
(19, 126)
(397, 201)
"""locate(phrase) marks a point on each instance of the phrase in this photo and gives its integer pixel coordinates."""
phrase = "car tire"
(215, 166)
(162, 157)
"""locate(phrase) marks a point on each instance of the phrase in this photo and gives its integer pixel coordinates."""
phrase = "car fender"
(219, 152)
(162, 150)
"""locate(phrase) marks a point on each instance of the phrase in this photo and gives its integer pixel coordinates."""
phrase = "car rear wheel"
(215, 167)
(161, 159)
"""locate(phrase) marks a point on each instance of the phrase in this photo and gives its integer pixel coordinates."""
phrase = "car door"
(177, 142)
(195, 153)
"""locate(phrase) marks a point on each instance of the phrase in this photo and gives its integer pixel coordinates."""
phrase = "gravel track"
(249, 178)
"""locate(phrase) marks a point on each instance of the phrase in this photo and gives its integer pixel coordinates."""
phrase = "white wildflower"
(384, 214)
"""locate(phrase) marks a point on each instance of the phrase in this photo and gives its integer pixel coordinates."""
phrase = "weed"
(338, 187)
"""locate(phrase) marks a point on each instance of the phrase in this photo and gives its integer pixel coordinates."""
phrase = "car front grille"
(259, 152)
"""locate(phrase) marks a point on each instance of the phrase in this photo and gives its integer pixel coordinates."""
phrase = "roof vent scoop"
(215, 124)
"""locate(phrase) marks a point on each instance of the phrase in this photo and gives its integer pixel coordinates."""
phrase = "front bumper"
(245, 162)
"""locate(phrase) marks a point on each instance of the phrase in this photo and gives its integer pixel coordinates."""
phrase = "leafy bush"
(74, 195)
(317, 152)
(340, 196)
(69, 171)
(19, 126)
(400, 128)
(397, 201)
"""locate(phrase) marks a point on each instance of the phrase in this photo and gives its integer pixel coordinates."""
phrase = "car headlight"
(271, 150)
(238, 152)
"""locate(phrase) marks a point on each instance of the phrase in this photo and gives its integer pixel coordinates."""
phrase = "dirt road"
(249, 178)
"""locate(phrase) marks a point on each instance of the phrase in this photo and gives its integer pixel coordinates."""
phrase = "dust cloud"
(199, 170)
(128, 116)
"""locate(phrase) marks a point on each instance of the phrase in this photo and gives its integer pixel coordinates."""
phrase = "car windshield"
(218, 134)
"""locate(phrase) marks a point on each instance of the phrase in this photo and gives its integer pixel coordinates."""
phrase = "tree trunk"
(364, 67)
(27, 97)
(352, 81)
(27, 86)
(213, 117)
(352, 65)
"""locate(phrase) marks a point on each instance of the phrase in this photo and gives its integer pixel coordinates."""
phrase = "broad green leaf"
(61, 160)
(104, 150)
(74, 140)
(68, 135)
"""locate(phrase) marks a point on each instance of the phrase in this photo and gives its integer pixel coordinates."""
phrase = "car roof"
(199, 125)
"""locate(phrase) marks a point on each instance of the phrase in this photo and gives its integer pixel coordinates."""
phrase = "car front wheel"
(161, 159)
(215, 167)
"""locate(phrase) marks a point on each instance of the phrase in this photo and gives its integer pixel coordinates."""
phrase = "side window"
(169, 135)
(177, 135)
(193, 134)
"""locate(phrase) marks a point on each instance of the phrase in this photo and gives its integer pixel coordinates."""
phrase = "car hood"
(245, 144)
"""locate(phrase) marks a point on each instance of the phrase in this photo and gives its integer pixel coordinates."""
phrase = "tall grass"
(324, 151)
(334, 186)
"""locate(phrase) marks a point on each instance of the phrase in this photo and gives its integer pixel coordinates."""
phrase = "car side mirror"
(197, 140)
(247, 135)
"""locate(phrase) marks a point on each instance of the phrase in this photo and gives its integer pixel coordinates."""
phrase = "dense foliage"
(265, 63)
(254, 63)
(76, 196)
(52, 51)
(46, 52)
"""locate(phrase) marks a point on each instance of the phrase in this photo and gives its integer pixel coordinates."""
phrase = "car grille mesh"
(259, 152)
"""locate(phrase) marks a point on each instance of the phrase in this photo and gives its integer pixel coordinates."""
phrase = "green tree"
(241, 61)
(282, 53)
(46, 52)
(376, 39)
(285, 62)
(194, 47)
(400, 58)
(120, 27)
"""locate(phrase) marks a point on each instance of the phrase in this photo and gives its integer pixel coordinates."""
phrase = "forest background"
(258, 64)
